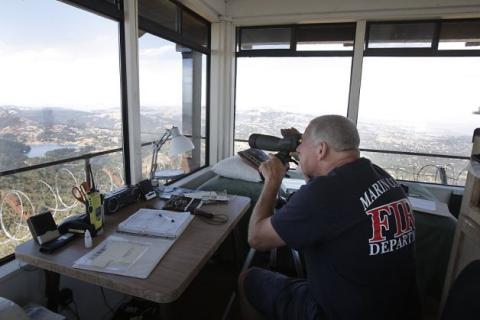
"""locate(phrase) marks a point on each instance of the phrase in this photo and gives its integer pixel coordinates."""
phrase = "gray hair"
(337, 131)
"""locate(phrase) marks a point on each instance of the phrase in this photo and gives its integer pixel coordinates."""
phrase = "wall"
(209, 9)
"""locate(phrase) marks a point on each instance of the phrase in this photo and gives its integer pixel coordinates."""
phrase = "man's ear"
(322, 150)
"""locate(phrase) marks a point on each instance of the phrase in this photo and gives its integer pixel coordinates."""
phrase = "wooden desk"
(174, 272)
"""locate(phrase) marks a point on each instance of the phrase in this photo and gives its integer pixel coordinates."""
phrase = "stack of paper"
(208, 195)
(290, 185)
(429, 206)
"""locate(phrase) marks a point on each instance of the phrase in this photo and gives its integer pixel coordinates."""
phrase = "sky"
(69, 58)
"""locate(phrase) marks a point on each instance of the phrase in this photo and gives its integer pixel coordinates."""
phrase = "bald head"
(337, 131)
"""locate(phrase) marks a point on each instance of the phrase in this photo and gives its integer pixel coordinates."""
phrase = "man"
(354, 225)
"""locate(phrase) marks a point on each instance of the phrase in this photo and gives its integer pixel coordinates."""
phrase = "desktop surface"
(173, 273)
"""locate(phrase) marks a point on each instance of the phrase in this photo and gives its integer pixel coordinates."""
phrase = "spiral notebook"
(156, 223)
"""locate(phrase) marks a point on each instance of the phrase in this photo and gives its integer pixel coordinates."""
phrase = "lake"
(39, 150)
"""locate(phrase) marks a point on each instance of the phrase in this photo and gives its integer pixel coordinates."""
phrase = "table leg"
(52, 291)
(235, 248)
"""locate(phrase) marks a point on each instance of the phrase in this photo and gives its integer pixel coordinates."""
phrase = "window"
(265, 38)
(194, 29)
(423, 108)
(163, 12)
(401, 35)
(325, 37)
(60, 100)
(275, 91)
(173, 86)
(172, 21)
(460, 35)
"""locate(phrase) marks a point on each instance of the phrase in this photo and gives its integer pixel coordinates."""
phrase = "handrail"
(435, 155)
(67, 160)
(62, 161)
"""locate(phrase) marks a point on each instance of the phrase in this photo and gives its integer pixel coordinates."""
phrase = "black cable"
(210, 218)
(28, 268)
(105, 301)
(216, 219)
(76, 309)
(75, 312)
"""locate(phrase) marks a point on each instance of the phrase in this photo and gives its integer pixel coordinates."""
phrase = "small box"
(43, 227)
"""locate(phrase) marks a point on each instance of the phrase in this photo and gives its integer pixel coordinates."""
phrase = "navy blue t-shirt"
(356, 230)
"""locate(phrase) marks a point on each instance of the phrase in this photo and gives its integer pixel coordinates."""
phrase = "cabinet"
(466, 242)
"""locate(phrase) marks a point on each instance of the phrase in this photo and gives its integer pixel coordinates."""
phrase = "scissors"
(80, 192)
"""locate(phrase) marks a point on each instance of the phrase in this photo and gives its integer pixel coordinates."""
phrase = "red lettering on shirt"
(379, 224)
(401, 212)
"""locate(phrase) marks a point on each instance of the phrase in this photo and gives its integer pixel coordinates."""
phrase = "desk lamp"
(179, 144)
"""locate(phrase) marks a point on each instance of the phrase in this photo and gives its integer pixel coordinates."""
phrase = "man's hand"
(272, 169)
(290, 132)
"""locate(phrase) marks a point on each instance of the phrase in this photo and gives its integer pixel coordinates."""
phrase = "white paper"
(126, 255)
(207, 195)
(119, 252)
(422, 204)
(474, 168)
(428, 206)
(290, 184)
(114, 254)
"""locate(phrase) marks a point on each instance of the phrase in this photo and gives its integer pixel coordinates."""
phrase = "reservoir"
(39, 150)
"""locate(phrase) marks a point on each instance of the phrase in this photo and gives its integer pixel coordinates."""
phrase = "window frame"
(114, 11)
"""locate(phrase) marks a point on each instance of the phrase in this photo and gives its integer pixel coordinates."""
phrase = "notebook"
(156, 223)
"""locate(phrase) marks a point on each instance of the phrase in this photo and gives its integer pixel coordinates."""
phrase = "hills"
(22, 128)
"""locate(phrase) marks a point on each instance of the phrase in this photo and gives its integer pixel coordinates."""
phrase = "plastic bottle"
(88, 239)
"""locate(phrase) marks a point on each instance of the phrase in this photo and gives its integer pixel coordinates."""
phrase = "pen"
(162, 216)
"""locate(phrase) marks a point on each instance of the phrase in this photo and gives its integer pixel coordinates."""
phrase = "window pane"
(60, 83)
(326, 37)
(25, 194)
(194, 29)
(163, 12)
(464, 35)
(421, 104)
(171, 94)
(401, 35)
(265, 38)
(276, 93)
(421, 168)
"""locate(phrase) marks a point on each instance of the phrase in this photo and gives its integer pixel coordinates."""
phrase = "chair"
(462, 301)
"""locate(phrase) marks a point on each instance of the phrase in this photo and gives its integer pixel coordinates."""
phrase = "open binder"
(156, 223)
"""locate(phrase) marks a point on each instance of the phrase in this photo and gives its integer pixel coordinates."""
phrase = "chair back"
(462, 301)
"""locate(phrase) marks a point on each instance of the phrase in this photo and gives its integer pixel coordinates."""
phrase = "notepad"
(428, 206)
(125, 255)
(156, 223)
